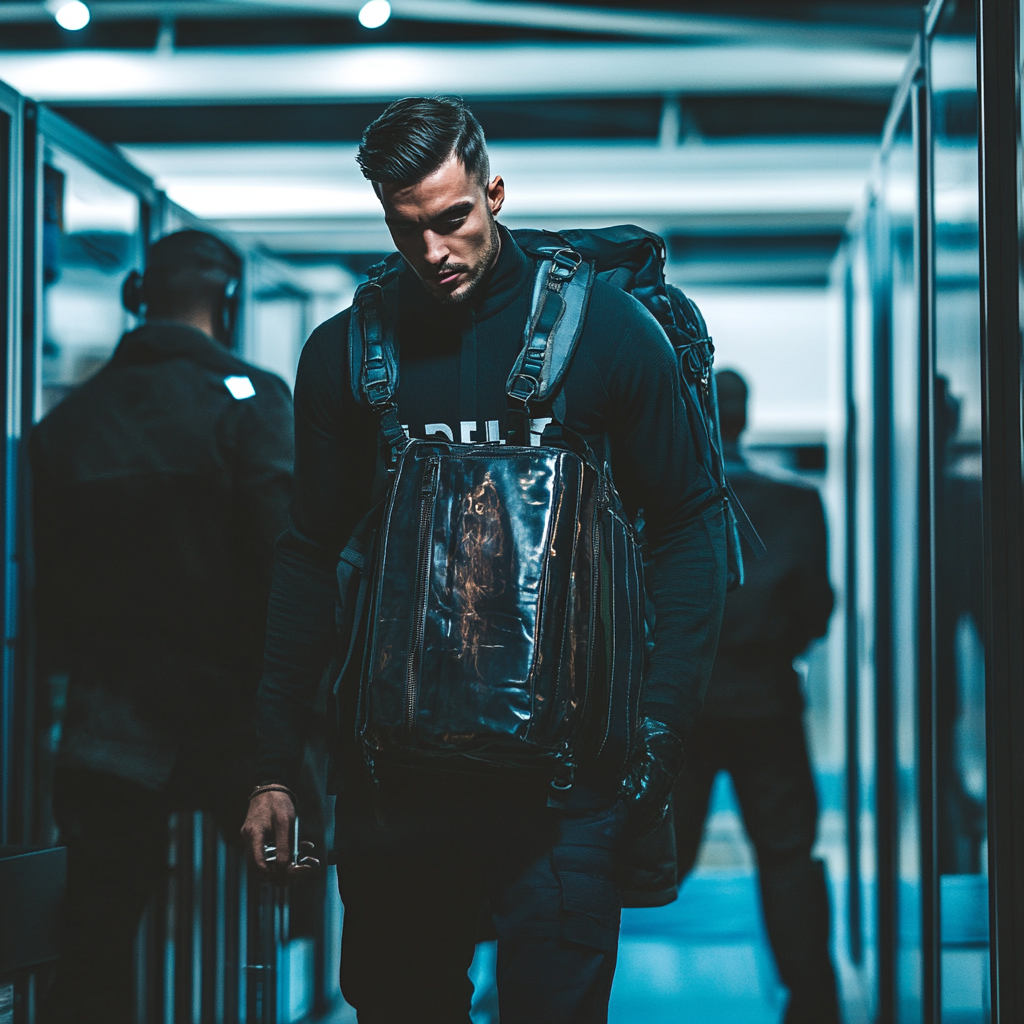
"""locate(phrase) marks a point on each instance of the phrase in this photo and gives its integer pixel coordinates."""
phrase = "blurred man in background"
(752, 724)
(160, 486)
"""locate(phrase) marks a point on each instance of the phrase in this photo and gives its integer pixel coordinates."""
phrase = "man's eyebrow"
(455, 210)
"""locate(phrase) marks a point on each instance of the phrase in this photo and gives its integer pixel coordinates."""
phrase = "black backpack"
(633, 259)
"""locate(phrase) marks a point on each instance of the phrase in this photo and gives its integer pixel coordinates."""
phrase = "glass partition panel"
(860, 573)
(959, 647)
(91, 239)
(900, 199)
(275, 317)
(13, 802)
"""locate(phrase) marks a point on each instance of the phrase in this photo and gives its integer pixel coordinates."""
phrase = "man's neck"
(198, 319)
(497, 251)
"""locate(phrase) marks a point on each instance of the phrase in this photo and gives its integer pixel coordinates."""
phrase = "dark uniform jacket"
(158, 493)
(784, 603)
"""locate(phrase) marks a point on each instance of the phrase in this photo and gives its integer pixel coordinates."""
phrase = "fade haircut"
(186, 270)
(416, 135)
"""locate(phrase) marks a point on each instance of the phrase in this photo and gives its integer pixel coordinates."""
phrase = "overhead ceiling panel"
(475, 70)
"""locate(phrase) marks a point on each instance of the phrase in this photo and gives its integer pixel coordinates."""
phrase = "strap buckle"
(377, 391)
(564, 264)
(375, 272)
(523, 388)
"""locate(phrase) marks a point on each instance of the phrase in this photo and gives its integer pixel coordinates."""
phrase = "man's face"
(444, 227)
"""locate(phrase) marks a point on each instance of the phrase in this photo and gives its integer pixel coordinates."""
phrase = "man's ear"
(496, 194)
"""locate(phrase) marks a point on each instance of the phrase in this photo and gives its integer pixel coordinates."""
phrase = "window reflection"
(900, 196)
(961, 844)
(91, 239)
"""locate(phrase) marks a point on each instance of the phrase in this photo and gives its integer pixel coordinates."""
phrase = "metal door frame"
(999, 156)
(13, 783)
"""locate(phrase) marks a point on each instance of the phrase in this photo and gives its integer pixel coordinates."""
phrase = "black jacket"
(622, 387)
(157, 499)
(784, 603)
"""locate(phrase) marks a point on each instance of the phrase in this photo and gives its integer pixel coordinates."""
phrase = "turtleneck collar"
(501, 285)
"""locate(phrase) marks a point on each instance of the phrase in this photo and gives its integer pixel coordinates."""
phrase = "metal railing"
(219, 946)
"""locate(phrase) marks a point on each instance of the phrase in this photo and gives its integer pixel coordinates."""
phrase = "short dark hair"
(732, 393)
(185, 270)
(416, 135)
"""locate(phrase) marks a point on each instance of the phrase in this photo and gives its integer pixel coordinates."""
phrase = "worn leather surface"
(507, 612)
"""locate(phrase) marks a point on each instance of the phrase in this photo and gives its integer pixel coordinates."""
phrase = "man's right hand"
(270, 822)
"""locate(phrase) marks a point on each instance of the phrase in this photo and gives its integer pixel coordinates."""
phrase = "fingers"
(267, 832)
(268, 823)
(306, 863)
(254, 834)
(282, 829)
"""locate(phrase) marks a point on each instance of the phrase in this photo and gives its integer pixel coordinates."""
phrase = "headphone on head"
(133, 298)
(230, 298)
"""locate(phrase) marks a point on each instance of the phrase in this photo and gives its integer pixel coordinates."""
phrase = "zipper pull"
(430, 477)
(374, 794)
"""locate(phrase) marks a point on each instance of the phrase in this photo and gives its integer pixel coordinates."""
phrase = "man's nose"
(435, 249)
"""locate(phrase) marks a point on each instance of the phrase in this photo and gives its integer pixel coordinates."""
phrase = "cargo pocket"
(591, 902)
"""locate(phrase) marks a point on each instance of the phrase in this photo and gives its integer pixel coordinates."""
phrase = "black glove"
(650, 775)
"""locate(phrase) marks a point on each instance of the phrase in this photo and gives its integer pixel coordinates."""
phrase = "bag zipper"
(427, 493)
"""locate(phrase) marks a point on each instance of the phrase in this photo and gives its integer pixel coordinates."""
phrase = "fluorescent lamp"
(374, 13)
(73, 15)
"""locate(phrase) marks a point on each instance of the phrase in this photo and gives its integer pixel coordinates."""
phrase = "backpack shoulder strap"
(561, 295)
(373, 346)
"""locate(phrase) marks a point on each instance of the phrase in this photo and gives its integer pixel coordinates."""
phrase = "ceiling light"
(73, 15)
(374, 13)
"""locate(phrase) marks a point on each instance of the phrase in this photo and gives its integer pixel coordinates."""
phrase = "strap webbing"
(526, 381)
(376, 384)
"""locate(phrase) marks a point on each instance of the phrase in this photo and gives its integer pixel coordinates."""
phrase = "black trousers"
(116, 834)
(424, 858)
(767, 759)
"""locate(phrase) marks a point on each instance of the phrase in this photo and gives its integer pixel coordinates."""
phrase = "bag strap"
(561, 295)
(739, 513)
(373, 351)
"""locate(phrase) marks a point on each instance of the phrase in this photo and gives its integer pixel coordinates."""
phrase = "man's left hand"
(650, 775)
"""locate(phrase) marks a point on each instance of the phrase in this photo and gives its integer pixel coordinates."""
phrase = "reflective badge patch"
(240, 387)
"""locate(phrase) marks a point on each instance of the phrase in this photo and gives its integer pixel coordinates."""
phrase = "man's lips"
(449, 278)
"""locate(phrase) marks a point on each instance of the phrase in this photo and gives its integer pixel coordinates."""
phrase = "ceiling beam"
(316, 190)
(540, 16)
(386, 72)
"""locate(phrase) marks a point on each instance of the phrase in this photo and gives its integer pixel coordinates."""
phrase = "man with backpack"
(752, 724)
(494, 746)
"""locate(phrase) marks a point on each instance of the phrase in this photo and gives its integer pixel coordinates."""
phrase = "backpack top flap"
(628, 256)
